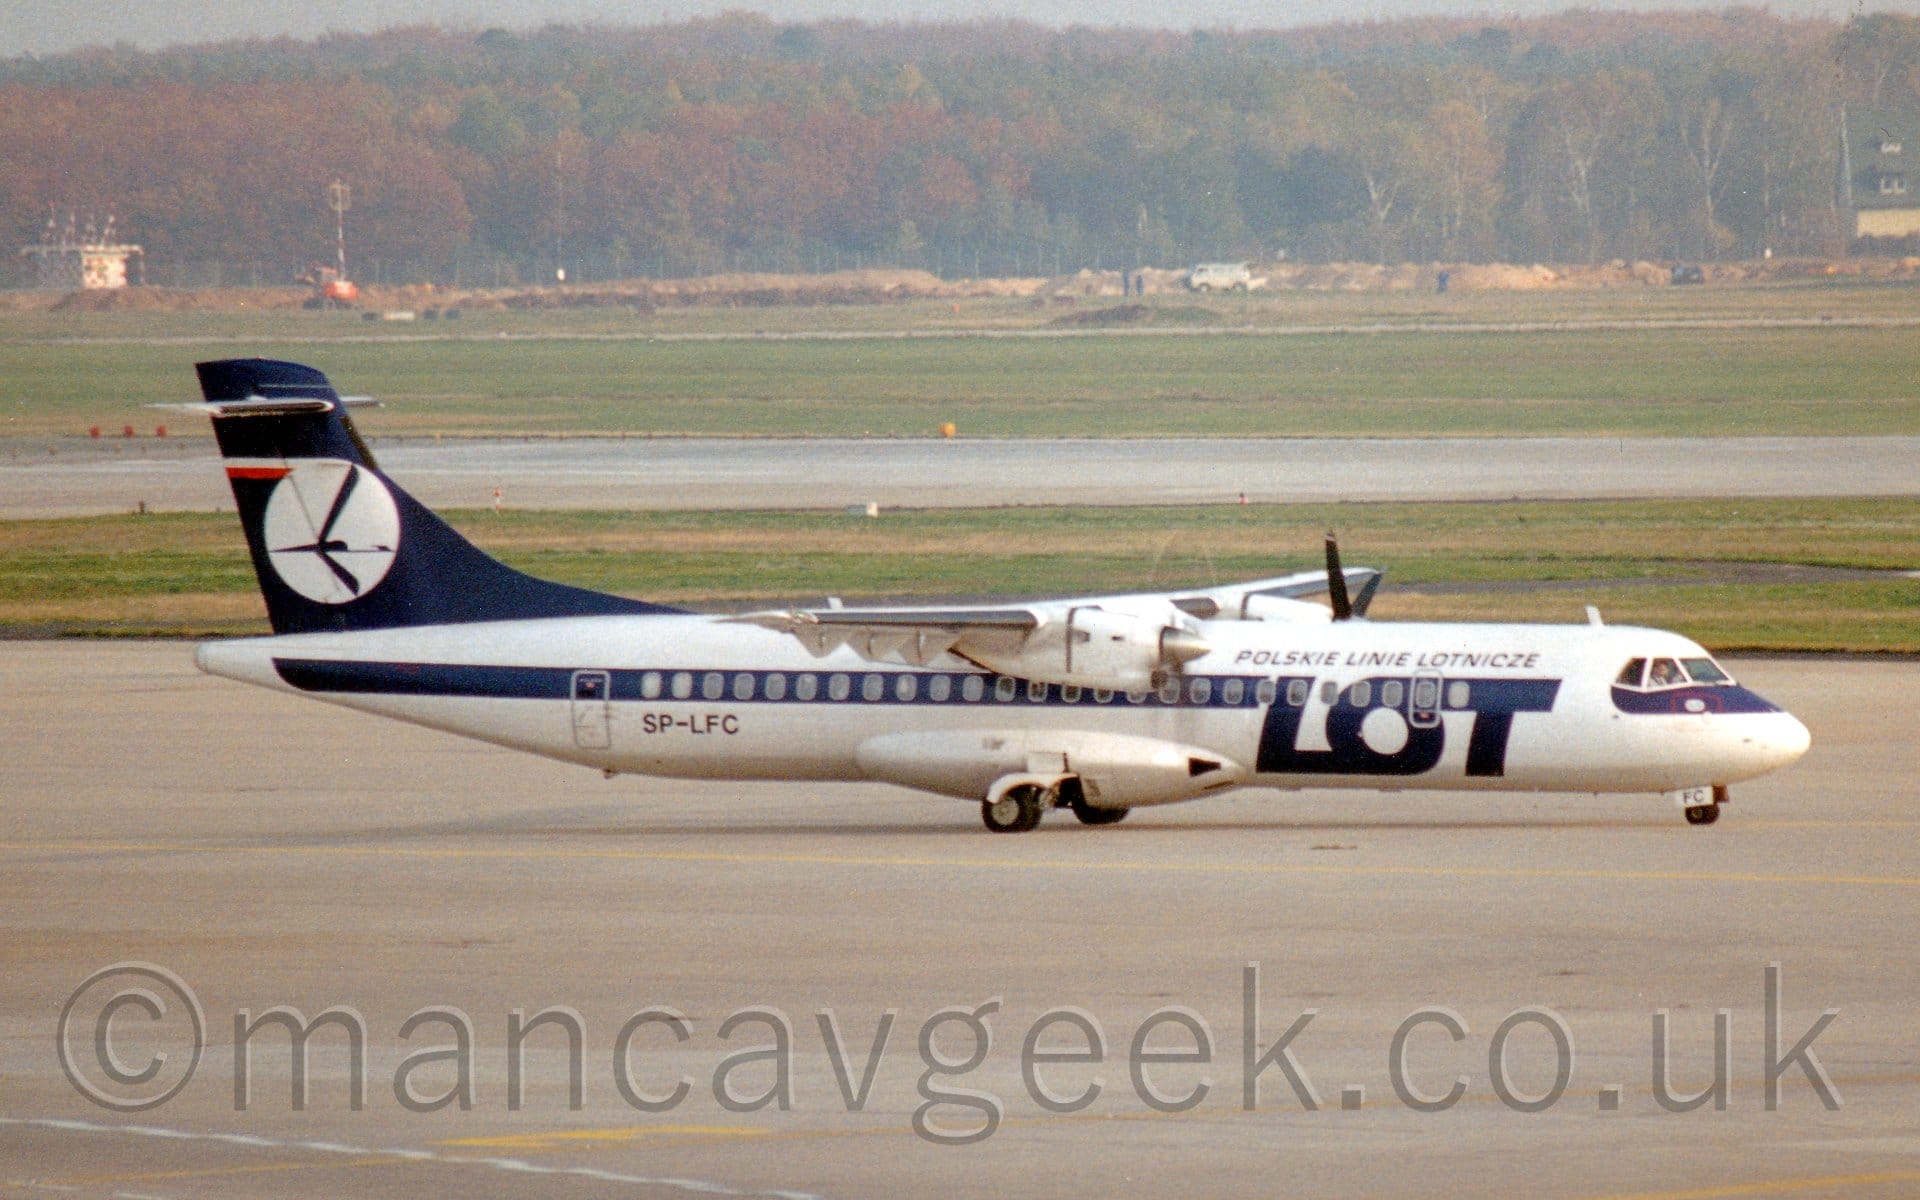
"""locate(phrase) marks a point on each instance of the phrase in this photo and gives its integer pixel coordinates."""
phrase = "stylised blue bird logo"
(347, 551)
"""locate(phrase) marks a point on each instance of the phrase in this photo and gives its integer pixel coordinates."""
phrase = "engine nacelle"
(1261, 607)
(1098, 648)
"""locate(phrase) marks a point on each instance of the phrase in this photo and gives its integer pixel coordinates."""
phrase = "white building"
(82, 260)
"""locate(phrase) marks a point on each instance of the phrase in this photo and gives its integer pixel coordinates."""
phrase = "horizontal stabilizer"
(262, 406)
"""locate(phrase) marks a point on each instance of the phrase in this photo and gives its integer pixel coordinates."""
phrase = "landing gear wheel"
(1703, 814)
(1019, 810)
(1089, 815)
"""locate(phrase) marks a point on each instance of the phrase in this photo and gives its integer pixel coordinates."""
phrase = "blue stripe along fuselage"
(1491, 703)
(628, 684)
(1713, 698)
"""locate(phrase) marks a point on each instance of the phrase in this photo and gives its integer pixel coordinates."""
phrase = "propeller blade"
(1365, 597)
(1337, 582)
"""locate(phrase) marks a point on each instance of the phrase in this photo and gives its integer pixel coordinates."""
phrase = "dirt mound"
(874, 286)
(160, 299)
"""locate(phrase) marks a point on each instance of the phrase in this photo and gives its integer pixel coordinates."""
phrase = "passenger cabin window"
(1170, 692)
(1360, 695)
(972, 688)
(1266, 691)
(776, 688)
(682, 685)
(1233, 691)
(1004, 688)
(838, 687)
(939, 688)
(1036, 691)
(712, 685)
(1200, 691)
(1297, 690)
(905, 687)
(650, 685)
(872, 688)
(1631, 674)
(806, 686)
(743, 686)
(1392, 692)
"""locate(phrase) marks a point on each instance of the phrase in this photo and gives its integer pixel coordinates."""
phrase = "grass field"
(597, 371)
(1720, 571)
(1289, 364)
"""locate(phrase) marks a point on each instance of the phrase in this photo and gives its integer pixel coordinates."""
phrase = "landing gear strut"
(1089, 815)
(1017, 810)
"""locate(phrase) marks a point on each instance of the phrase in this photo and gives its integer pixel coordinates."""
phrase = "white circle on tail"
(331, 530)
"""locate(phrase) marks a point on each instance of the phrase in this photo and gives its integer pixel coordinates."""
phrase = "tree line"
(986, 147)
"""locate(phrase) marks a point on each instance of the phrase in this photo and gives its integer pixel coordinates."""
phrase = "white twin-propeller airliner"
(1097, 705)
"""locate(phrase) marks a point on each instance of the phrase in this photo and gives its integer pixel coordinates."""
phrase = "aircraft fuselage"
(1373, 705)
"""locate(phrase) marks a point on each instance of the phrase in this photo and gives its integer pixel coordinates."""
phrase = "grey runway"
(267, 851)
(826, 473)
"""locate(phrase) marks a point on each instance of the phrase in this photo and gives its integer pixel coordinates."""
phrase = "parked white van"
(1224, 277)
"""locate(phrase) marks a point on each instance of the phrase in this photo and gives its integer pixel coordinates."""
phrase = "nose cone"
(1775, 740)
(1790, 740)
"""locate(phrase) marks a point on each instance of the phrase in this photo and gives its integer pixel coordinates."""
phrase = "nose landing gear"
(1707, 814)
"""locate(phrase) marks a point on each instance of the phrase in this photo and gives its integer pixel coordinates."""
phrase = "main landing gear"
(1020, 808)
(1089, 815)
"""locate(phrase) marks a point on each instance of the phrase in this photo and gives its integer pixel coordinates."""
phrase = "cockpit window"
(1664, 673)
(1647, 674)
(1705, 670)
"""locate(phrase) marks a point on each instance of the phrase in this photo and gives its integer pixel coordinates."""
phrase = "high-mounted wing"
(913, 635)
(1126, 643)
(1276, 599)
(1062, 642)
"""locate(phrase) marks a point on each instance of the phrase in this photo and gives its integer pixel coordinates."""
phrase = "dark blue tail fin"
(336, 545)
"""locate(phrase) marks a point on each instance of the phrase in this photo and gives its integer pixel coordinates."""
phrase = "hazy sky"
(44, 26)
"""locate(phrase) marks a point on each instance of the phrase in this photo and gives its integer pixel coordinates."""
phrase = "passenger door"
(592, 710)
